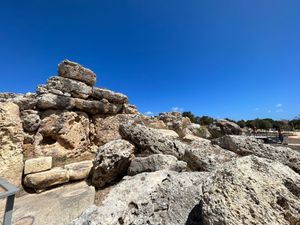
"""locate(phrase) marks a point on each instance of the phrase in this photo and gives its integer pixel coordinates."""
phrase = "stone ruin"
(91, 155)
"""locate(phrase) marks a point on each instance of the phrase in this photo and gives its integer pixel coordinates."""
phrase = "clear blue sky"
(233, 58)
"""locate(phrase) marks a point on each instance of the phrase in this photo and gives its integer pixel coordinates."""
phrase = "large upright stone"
(75, 71)
(63, 135)
(11, 140)
(112, 162)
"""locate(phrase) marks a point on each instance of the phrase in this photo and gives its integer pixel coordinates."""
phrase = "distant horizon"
(233, 59)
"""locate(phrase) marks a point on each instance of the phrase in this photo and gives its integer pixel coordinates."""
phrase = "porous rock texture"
(154, 163)
(202, 155)
(243, 145)
(252, 190)
(162, 197)
(112, 162)
(220, 128)
(11, 140)
(151, 141)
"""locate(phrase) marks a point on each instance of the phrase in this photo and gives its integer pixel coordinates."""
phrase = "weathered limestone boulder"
(11, 140)
(97, 107)
(129, 109)
(79, 170)
(222, 127)
(113, 97)
(43, 180)
(54, 101)
(151, 141)
(58, 206)
(31, 120)
(202, 155)
(154, 163)
(37, 165)
(64, 135)
(243, 145)
(112, 162)
(105, 128)
(27, 101)
(77, 89)
(75, 71)
(163, 197)
(168, 133)
(252, 190)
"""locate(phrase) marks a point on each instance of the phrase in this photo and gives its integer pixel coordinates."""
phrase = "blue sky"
(233, 58)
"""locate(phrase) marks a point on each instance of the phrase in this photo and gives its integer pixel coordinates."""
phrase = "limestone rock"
(150, 141)
(202, 155)
(97, 107)
(243, 145)
(31, 120)
(79, 170)
(42, 180)
(100, 93)
(75, 71)
(163, 197)
(77, 89)
(37, 165)
(252, 190)
(63, 135)
(154, 163)
(222, 127)
(112, 162)
(11, 140)
(54, 101)
(168, 133)
(105, 128)
(129, 109)
(25, 102)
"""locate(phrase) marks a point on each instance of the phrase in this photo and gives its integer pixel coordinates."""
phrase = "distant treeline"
(264, 124)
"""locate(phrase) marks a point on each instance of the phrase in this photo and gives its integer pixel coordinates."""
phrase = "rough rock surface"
(37, 165)
(11, 140)
(154, 163)
(151, 141)
(55, 207)
(76, 89)
(25, 102)
(222, 127)
(202, 155)
(79, 170)
(42, 180)
(252, 190)
(112, 162)
(243, 145)
(162, 197)
(100, 93)
(75, 71)
(105, 128)
(31, 120)
(63, 135)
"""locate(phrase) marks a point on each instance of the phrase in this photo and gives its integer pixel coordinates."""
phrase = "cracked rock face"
(162, 197)
(243, 145)
(75, 71)
(150, 141)
(222, 127)
(63, 135)
(252, 190)
(112, 162)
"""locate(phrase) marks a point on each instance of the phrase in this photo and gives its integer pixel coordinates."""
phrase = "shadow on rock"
(195, 216)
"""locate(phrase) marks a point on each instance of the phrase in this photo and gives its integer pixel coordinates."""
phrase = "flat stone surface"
(55, 207)
(79, 170)
(37, 165)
